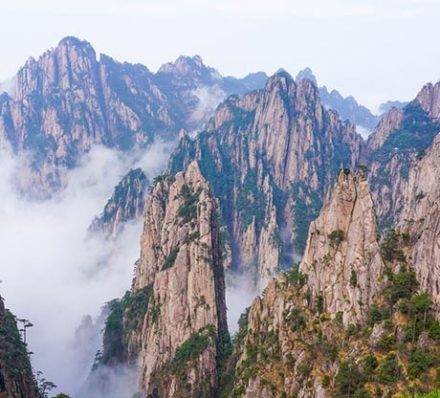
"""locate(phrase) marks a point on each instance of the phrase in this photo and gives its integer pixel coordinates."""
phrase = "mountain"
(351, 322)
(271, 157)
(342, 246)
(400, 139)
(69, 100)
(387, 106)
(419, 221)
(126, 204)
(356, 317)
(347, 107)
(180, 282)
(16, 377)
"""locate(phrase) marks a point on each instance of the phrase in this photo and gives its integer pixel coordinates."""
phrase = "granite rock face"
(271, 157)
(70, 100)
(331, 329)
(347, 107)
(184, 328)
(342, 259)
(400, 140)
(420, 219)
(126, 204)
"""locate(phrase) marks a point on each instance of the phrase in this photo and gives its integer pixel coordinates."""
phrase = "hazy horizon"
(373, 51)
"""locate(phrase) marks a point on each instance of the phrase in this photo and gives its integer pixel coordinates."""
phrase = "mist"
(240, 292)
(58, 276)
(209, 98)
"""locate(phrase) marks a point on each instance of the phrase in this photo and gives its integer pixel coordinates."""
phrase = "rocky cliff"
(16, 378)
(271, 157)
(69, 100)
(342, 259)
(172, 325)
(347, 107)
(126, 204)
(181, 259)
(420, 220)
(400, 139)
(353, 324)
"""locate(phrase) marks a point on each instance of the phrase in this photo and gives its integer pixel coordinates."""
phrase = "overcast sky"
(373, 49)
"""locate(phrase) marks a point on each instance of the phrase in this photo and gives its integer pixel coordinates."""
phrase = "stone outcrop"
(271, 157)
(342, 259)
(327, 331)
(347, 107)
(400, 139)
(16, 378)
(420, 219)
(126, 204)
(184, 328)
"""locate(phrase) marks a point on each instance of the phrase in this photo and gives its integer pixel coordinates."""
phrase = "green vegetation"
(389, 371)
(131, 188)
(170, 259)
(336, 237)
(14, 359)
(193, 236)
(188, 210)
(348, 380)
(391, 247)
(189, 352)
(125, 315)
(307, 204)
(353, 279)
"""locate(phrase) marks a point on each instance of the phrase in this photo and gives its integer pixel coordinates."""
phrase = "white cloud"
(52, 273)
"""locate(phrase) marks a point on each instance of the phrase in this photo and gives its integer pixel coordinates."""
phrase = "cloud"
(363, 131)
(53, 274)
(8, 86)
(240, 292)
(209, 98)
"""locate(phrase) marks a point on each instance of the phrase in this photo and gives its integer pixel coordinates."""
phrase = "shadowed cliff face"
(16, 378)
(271, 157)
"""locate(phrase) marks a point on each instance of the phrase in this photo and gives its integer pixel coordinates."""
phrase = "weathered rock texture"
(342, 259)
(420, 219)
(400, 139)
(16, 378)
(347, 107)
(184, 328)
(326, 332)
(125, 204)
(69, 100)
(271, 157)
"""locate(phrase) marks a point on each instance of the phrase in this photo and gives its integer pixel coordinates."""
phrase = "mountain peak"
(280, 77)
(429, 99)
(73, 42)
(306, 74)
(342, 242)
(184, 65)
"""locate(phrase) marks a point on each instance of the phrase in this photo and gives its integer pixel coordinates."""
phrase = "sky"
(373, 49)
